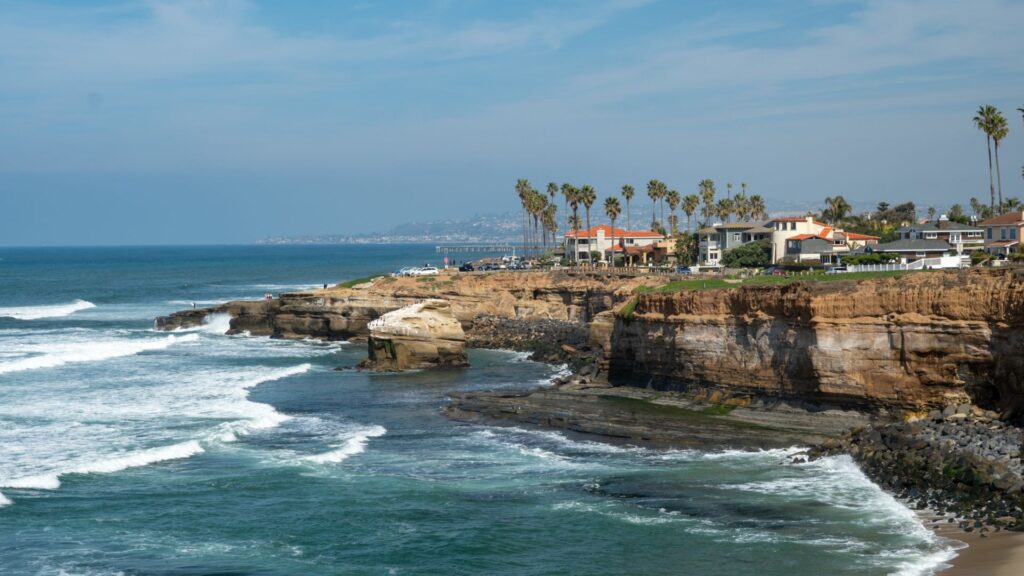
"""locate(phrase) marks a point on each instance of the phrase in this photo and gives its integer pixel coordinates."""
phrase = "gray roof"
(941, 225)
(913, 246)
(815, 246)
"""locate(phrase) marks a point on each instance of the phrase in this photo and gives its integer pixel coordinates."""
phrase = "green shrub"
(750, 255)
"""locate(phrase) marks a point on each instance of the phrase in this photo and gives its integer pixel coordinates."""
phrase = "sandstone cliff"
(424, 335)
(918, 341)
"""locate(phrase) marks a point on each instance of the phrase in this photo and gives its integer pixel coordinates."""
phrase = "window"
(989, 230)
(1013, 233)
(920, 254)
(1002, 233)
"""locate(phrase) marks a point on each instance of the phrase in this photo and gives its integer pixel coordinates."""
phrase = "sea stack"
(422, 335)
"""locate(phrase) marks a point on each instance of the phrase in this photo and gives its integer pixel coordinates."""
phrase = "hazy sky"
(206, 121)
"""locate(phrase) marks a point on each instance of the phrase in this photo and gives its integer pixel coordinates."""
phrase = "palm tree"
(654, 192)
(627, 194)
(552, 193)
(550, 221)
(931, 213)
(741, 206)
(728, 190)
(1000, 129)
(724, 209)
(523, 191)
(587, 196)
(707, 194)
(690, 204)
(612, 210)
(758, 209)
(672, 197)
(984, 121)
(537, 203)
(567, 193)
(836, 208)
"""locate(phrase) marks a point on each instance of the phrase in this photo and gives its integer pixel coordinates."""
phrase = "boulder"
(422, 335)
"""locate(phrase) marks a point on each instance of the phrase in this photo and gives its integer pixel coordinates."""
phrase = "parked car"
(684, 270)
(424, 271)
(403, 272)
(466, 267)
(836, 270)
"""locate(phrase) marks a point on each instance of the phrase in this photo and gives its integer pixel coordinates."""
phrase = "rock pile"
(962, 463)
(424, 335)
(553, 341)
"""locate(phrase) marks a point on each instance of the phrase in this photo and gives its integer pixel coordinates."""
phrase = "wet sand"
(1000, 554)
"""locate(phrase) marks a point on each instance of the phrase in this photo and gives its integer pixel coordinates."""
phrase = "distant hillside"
(480, 228)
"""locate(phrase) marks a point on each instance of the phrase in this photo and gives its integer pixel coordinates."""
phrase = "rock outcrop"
(915, 342)
(343, 313)
(423, 335)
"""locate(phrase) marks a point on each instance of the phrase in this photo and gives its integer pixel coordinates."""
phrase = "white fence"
(922, 264)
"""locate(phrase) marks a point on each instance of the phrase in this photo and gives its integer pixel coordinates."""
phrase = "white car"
(424, 271)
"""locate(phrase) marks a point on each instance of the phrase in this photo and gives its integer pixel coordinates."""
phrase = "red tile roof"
(1008, 218)
(619, 233)
(802, 237)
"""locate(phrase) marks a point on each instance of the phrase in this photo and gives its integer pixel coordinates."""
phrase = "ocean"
(129, 451)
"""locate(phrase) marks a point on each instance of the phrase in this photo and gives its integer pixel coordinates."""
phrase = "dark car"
(491, 266)
(684, 270)
(466, 267)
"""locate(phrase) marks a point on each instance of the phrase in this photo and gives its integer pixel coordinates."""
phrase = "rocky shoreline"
(917, 378)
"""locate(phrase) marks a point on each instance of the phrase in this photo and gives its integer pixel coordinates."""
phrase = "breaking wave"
(59, 354)
(108, 465)
(47, 311)
(355, 443)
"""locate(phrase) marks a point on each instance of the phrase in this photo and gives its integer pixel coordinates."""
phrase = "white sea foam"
(113, 463)
(58, 353)
(217, 323)
(3, 500)
(354, 443)
(45, 311)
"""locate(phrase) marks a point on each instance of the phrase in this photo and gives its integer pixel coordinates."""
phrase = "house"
(1003, 233)
(791, 226)
(718, 239)
(855, 240)
(910, 251)
(964, 238)
(599, 239)
(811, 248)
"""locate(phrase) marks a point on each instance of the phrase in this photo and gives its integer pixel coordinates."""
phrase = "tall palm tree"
(588, 196)
(574, 203)
(673, 199)
(707, 194)
(931, 213)
(758, 209)
(550, 221)
(983, 120)
(612, 210)
(728, 190)
(627, 195)
(690, 204)
(1000, 129)
(523, 191)
(538, 202)
(654, 192)
(567, 193)
(552, 193)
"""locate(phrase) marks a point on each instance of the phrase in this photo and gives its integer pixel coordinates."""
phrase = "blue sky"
(200, 121)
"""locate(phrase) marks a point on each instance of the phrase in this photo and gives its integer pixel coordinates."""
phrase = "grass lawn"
(716, 283)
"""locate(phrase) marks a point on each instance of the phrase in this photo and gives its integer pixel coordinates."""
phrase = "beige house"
(1003, 233)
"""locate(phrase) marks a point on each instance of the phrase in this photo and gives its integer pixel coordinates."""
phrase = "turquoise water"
(127, 451)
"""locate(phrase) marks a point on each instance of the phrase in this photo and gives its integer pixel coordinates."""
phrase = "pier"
(457, 248)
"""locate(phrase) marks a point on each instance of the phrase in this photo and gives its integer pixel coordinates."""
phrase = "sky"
(190, 122)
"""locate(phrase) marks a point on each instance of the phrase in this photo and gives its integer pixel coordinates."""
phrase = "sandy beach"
(998, 554)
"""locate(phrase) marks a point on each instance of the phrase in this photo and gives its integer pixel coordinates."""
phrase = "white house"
(599, 238)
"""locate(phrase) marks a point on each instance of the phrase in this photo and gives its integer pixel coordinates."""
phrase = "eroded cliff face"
(918, 341)
(343, 313)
